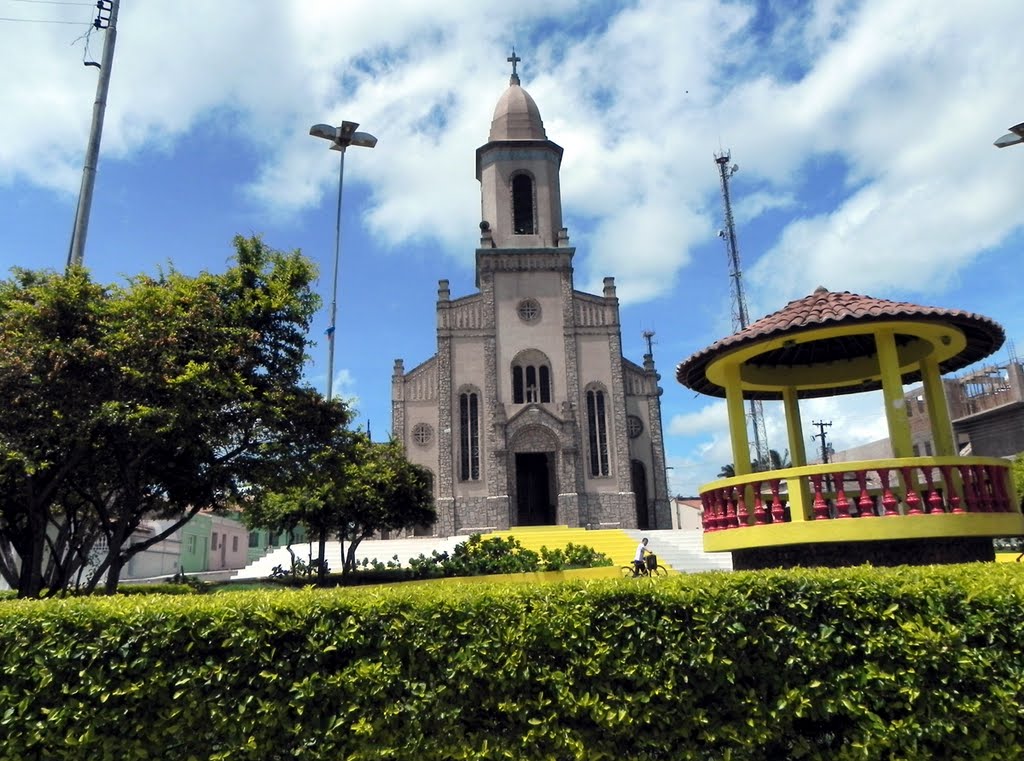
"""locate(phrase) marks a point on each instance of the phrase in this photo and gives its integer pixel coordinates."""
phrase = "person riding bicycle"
(639, 564)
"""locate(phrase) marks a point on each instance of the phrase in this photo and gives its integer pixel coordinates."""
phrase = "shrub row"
(479, 556)
(922, 663)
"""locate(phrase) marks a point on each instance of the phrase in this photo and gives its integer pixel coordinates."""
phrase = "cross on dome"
(514, 59)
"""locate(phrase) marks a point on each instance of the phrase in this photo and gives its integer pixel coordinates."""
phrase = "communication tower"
(740, 318)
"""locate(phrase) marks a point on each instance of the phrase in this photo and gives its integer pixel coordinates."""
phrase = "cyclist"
(638, 559)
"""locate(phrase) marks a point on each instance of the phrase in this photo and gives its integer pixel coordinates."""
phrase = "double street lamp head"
(1015, 136)
(344, 136)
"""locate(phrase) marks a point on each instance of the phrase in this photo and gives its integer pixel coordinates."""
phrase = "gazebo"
(904, 510)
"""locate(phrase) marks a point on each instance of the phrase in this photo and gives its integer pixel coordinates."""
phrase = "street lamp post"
(1013, 137)
(341, 138)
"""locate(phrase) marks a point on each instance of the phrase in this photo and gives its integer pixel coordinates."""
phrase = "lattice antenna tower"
(740, 317)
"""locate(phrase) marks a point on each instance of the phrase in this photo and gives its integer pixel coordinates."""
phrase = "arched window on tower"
(522, 205)
(597, 431)
(469, 436)
(531, 378)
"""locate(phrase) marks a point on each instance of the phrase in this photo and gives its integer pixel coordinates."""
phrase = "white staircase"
(683, 550)
(372, 549)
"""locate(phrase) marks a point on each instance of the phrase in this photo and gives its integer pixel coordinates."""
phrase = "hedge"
(907, 663)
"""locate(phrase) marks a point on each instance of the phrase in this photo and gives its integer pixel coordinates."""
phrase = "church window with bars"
(597, 431)
(469, 435)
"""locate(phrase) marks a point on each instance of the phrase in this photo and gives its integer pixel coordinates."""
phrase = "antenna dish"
(735, 168)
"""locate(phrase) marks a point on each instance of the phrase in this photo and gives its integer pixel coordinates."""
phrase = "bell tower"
(518, 172)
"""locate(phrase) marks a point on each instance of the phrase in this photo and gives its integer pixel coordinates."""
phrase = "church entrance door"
(640, 491)
(533, 489)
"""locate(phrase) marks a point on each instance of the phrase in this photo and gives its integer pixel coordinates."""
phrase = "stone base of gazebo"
(880, 553)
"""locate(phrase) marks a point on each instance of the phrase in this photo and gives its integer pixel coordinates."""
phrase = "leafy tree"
(352, 488)
(51, 329)
(157, 398)
(775, 461)
(383, 492)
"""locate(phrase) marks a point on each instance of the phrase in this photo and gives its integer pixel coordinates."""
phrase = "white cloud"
(906, 96)
(711, 418)
(752, 206)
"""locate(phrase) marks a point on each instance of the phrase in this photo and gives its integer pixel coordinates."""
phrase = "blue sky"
(863, 131)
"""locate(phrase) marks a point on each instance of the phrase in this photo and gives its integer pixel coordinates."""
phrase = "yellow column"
(737, 420)
(892, 392)
(794, 427)
(799, 493)
(938, 408)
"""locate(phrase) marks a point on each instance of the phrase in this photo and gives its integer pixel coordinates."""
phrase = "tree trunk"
(350, 556)
(321, 570)
(113, 574)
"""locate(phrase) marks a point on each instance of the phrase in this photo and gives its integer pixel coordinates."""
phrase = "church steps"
(683, 550)
(615, 543)
(680, 551)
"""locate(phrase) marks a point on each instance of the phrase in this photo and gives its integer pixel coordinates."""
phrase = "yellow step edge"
(615, 543)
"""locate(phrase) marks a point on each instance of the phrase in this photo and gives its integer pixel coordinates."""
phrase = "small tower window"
(522, 205)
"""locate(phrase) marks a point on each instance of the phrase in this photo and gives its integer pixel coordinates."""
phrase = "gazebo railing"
(918, 486)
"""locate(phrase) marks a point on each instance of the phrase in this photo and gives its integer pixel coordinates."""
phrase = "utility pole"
(648, 336)
(821, 426)
(76, 251)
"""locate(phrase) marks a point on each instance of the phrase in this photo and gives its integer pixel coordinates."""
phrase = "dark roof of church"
(825, 308)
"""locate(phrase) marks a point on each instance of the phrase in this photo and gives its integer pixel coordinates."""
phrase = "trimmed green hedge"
(907, 663)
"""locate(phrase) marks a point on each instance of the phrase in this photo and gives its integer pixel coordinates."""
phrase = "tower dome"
(516, 117)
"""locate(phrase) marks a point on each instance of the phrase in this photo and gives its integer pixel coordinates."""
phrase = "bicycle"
(650, 569)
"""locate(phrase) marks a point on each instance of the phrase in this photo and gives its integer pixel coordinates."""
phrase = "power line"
(43, 21)
(51, 2)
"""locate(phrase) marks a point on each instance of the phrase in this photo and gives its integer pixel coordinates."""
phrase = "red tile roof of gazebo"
(825, 308)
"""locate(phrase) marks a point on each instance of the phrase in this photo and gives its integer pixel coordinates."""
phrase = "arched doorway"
(534, 455)
(534, 503)
(639, 478)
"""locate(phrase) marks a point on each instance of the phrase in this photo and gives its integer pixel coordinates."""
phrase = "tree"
(353, 488)
(383, 492)
(775, 461)
(51, 328)
(154, 399)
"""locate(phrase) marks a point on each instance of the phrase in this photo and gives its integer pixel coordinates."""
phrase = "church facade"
(528, 414)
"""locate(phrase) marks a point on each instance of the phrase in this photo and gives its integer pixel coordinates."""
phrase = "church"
(528, 414)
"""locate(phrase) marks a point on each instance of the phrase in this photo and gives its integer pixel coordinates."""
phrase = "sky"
(863, 133)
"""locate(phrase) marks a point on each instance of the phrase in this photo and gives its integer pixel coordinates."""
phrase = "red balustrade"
(778, 514)
(912, 498)
(842, 503)
(934, 500)
(955, 505)
(972, 498)
(760, 514)
(954, 489)
(742, 516)
(1002, 495)
(865, 505)
(820, 505)
(889, 501)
